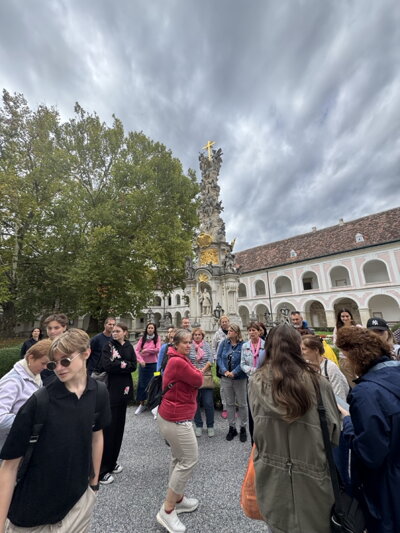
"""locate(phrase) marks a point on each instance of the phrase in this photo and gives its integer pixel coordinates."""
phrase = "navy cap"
(377, 323)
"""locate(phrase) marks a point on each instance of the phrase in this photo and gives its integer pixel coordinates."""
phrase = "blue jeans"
(205, 396)
(145, 375)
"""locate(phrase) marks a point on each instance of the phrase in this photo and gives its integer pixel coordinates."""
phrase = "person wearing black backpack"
(59, 484)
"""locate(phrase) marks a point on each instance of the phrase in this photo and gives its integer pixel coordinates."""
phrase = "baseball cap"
(377, 323)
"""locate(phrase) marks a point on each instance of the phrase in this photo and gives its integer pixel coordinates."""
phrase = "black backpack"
(154, 389)
(42, 408)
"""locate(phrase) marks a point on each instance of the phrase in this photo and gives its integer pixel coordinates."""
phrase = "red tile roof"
(376, 229)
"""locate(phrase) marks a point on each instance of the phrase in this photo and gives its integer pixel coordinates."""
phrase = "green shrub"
(8, 356)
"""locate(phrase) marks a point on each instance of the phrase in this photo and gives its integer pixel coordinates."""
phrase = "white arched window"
(283, 284)
(310, 281)
(375, 271)
(260, 287)
(340, 277)
(242, 290)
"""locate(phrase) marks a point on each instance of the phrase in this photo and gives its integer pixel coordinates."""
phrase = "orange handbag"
(248, 498)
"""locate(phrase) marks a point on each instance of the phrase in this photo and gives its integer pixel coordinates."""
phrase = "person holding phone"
(371, 427)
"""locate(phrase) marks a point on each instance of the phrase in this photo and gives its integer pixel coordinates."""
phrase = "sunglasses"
(65, 362)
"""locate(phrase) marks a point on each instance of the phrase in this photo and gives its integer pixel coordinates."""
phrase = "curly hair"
(362, 347)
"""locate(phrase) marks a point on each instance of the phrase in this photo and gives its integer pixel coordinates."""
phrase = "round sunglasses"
(65, 362)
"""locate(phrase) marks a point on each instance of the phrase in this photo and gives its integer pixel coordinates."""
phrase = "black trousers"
(113, 435)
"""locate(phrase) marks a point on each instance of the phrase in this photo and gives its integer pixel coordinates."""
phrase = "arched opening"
(351, 305)
(178, 319)
(261, 309)
(375, 271)
(385, 307)
(310, 281)
(177, 299)
(157, 301)
(315, 314)
(242, 290)
(157, 318)
(260, 288)
(283, 284)
(169, 300)
(340, 277)
(244, 315)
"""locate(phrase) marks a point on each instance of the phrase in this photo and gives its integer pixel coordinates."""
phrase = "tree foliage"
(92, 218)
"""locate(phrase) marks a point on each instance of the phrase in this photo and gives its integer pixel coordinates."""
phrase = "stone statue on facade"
(205, 302)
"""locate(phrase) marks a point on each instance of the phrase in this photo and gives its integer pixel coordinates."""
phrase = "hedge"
(8, 356)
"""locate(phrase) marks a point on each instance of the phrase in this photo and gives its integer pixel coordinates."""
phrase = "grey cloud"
(302, 96)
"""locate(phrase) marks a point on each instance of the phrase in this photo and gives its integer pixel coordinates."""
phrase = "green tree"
(32, 173)
(92, 219)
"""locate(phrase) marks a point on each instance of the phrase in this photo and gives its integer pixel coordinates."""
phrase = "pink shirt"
(149, 352)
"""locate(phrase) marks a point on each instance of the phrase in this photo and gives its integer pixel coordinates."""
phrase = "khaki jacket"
(293, 485)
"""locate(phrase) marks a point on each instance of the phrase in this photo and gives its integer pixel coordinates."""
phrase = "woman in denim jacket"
(234, 380)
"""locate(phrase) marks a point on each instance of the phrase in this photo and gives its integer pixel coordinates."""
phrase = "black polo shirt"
(61, 462)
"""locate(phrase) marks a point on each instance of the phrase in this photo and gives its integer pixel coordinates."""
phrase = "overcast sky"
(303, 96)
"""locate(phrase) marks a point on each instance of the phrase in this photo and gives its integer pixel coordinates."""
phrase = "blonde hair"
(198, 330)
(73, 340)
(39, 349)
(237, 330)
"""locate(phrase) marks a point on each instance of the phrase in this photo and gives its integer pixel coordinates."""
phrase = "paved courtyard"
(130, 504)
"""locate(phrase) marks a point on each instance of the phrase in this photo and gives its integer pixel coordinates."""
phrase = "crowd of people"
(63, 410)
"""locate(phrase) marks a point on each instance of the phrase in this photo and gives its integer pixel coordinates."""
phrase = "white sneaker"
(106, 479)
(170, 521)
(154, 412)
(187, 505)
(198, 432)
(140, 409)
(117, 468)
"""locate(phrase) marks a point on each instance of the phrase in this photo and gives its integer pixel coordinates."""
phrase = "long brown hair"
(285, 361)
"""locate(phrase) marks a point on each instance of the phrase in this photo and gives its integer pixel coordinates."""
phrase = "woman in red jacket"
(175, 415)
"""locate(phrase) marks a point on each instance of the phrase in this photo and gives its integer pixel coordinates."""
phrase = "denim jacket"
(228, 358)
(247, 358)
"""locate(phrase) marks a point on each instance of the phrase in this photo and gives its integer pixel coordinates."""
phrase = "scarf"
(199, 350)
(255, 351)
(35, 377)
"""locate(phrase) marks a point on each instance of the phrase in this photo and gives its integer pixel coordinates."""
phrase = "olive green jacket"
(293, 484)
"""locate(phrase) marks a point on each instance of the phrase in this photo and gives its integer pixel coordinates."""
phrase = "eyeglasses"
(65, 362)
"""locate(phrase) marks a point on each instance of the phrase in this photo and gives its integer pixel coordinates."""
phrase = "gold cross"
(208, 147)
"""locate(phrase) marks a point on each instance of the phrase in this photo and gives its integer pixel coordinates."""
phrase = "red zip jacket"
(180, 402)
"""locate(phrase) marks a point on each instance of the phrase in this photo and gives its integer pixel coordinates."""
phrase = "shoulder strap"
(42, 407)
(326, 369)
(101, 398)
(329, 455)
(164, 359)
(167, 388)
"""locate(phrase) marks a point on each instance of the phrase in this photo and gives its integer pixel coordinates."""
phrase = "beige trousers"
(184, 452)
(76, 521)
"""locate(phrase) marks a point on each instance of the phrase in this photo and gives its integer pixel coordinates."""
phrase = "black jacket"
(120, 384)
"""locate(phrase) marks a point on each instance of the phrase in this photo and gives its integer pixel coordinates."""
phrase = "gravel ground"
(131, 503)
